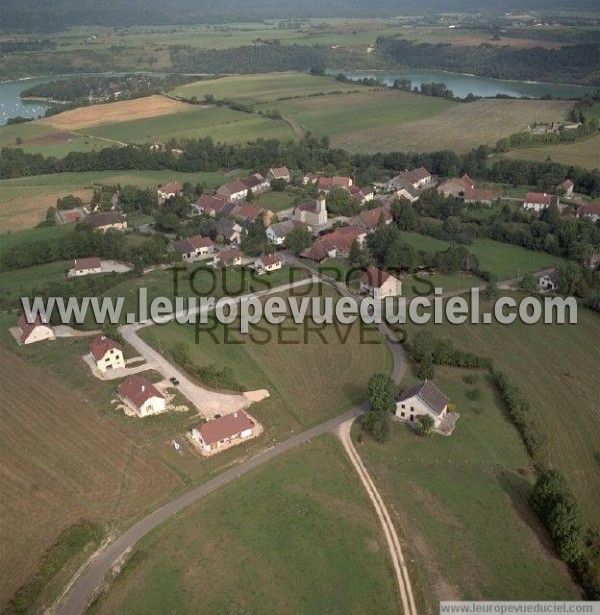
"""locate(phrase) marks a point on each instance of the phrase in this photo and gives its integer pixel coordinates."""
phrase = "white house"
(269, 262)
(230, 231)
(107, 220)
(36, 331)
(537, 201)
(277, 232)
(168, 191)
(591, 212)
(86, 266)
(107, 354)
(141, 396)
(194, 248)
(278, 173)
(380, 284)
(227, 258)
(224, 431)
(423, 399)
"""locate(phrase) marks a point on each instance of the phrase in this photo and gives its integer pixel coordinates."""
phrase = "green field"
(503, 260)
(220, 123)
(268, 87)
(275, 201)
(296, 536)
(26, 280)
(462, 506)
(584, 154)
(310, 377)
(551, 364)
(8, 240)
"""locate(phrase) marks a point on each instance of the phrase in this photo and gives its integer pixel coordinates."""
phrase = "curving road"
(85, 587)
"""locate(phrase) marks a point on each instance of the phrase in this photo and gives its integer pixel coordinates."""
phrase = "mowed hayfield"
(313, 375)
(112, 113)
(551, 364)
(220, 123)
(266, 87)
(460, 127)
(295, 536)
(461, 505)
(584, 154)
(25, 200)
(62, 462)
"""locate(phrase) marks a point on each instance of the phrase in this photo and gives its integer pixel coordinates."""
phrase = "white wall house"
(142, 396)
(86, 266)
(537, 201)
(107, 354)
(269, 262)
(380, 284)
(424, 399)
(223, 432)
(37, 331)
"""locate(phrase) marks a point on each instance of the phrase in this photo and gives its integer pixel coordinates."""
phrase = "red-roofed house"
(250, 213)
(208, 205)
(326, 184)
(380, 284)
(86, 266)
(538, 201)
(106, 353)
(480, 195)
(224, 431)
(233, 191)
(141, 396)
(591, 212)
(370, 218)
(269, 262)
(37, 331)
(456, 186)
(168, 191)
(194, 248)
(226, 258)
(336, 243)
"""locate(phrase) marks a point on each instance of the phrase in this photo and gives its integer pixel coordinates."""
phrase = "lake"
(462, 85)
(10, 103)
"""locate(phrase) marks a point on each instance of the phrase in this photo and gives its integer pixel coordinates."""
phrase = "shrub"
(473, 394)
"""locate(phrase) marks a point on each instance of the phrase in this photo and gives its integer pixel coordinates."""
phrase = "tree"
(426, 370)
(249, 196)
(527, 283)
(426, 425)
(381, 393)
(298, 239)
(378, 425)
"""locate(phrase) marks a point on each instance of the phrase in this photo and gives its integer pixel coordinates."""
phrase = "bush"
(471, 378)
(473, 394)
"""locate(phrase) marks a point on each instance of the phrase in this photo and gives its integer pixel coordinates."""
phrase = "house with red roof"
(227, 258)
(380, 284)
(327, 184)
(223, 432)
(370, 218)
(269, 262)
(36, 331)
(194, 248)
(107, 354)
(480, 195)
(334, 244)
(86, 266)
(141, 396)
(537, 201)
(456, 186)
(590, 211)
(168, 191)
(208, 205)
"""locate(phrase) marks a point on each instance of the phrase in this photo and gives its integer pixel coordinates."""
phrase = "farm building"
(228, 258)
(277, 232)
(107, 220)
(591, 212)
(141, 396)
(270, 262)
(194, 248)
(107, 354)
(230, 231)
(36, 331)
(336, 243)
(327, 184)
(86, 266)
(168, 191)
(370, 219)
(380, 284)
(276, 173)
(424, 399)
(538, 201)
(223, 432)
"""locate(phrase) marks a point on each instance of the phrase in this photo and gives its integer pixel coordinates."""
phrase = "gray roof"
(429, 394)
(281, 229)
(226, 227)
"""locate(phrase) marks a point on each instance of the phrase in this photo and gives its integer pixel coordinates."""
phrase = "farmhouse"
(276, 173)
(424, 399)
(309, 178)
(107, 354)
(233, 191)
(230, 231)
(591, 212)
(210, 206)
(250, 213)
(566, 188)
(480, 195)
(141, 396)
(336, 243)
(327, 184)
(277, 232)
(86, 266)
(538, 201)
(168, 191)
(223, 432)
(36, 331)
(270, 262)
(416, 179)
(456, 186)
(256, 183)
(313, 213)
(380, 284)
(193, 248)
(370, 219)
(107, 220)
(227, 258)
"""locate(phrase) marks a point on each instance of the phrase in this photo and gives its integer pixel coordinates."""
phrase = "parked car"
(174, 380)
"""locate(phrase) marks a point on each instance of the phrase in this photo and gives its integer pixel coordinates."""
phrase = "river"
(462, 85)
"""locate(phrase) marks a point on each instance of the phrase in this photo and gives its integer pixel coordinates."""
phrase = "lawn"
(551, 364)
(296, 536)
(220, 123)
(584, 154)
(275, 201)
(26, 280)
(460, 126)
(10, 239)
(312, 375)
(267, 87)
(462, 506)
(503, 260)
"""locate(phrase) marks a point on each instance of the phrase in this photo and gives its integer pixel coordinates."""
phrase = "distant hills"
(45, 15)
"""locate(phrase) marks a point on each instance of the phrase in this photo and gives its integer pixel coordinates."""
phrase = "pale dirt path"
(404, 584)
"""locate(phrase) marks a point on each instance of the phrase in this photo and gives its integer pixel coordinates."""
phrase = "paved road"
(86, 585)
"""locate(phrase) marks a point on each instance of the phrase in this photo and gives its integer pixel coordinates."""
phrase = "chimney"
(143, 388)
(235, 415)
